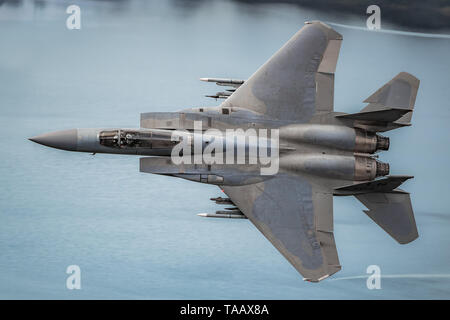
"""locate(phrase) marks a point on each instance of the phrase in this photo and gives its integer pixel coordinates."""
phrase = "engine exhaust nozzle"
(382, 143)
(382, 169)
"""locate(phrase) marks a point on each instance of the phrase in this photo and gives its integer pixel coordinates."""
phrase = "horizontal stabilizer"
(400, 92)
(388, 115)
(384, 184)
(393, 212)
(389, 107)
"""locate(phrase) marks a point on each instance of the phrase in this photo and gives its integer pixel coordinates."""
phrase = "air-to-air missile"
(223, 214)
(220, 200)
(234, 83)
(230, 210)
(224, 82)
(220, 95)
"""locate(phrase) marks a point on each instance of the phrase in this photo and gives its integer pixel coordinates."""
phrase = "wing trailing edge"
(296, 218)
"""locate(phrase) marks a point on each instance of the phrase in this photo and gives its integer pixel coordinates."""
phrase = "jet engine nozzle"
(369, 142)
(367, 168)
(382, 168)
(382, 143)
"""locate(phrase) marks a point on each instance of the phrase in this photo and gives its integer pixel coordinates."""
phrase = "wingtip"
(316, 280)
(408, 76)
(331, 33)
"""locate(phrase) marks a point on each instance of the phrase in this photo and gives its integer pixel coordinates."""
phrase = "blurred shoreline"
(416, 15)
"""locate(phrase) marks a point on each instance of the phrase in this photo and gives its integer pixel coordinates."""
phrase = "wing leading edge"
(297, 81)
(296, 219)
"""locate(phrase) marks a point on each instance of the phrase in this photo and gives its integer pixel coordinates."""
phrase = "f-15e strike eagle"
(322, 153)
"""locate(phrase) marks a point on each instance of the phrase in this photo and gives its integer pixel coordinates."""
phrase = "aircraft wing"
(297, 81)
(296, 219)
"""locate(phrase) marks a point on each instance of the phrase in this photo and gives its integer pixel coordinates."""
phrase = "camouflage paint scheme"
(322, 153)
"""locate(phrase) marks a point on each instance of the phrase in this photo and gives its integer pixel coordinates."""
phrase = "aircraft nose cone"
(65, 139)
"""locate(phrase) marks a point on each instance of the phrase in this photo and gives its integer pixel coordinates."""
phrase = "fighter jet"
(320, 153)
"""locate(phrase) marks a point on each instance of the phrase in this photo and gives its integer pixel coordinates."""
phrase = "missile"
(216, 96)
(224, 82)
(224, 93)
(235, 211)
(220, 200)
(220, 95)
(222, 215)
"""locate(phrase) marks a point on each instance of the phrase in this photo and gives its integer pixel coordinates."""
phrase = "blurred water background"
(137, 236)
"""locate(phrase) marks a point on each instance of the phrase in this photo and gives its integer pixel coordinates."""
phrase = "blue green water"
(136, 235)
